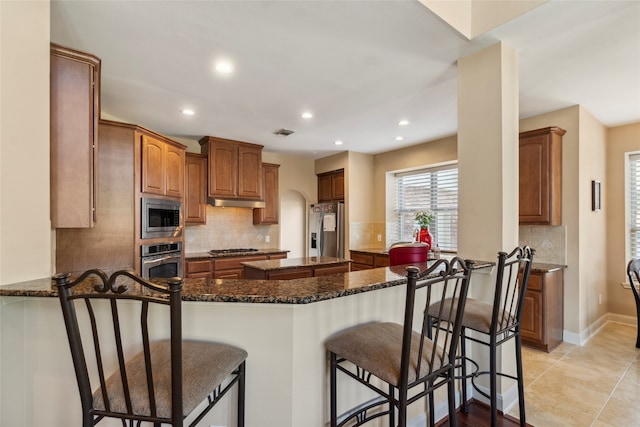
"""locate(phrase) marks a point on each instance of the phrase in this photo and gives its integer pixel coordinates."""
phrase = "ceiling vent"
(283, 132)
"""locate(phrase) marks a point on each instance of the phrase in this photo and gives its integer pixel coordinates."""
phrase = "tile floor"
(595, 385)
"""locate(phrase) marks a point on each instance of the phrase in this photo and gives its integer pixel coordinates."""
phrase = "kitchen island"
(282, 324)
(295, 268)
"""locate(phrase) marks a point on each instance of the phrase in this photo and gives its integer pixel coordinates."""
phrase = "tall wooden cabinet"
(195, 189)
(540, 197)
(331, 186)
(114, 241)
(235, 168)
(75, 110)
(270, 214)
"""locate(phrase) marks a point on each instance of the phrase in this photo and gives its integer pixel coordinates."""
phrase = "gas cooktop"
(231, 251)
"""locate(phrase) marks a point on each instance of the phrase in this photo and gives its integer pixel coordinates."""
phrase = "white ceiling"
(359, 66)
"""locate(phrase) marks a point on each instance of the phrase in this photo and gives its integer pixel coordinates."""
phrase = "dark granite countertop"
(540, 267)
(296, 291)
(279, 264)
(206, 255)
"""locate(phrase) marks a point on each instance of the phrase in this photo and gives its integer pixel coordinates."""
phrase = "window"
(633, 206)
(433, 188)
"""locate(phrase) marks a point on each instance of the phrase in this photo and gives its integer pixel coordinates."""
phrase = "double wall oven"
(161, 218)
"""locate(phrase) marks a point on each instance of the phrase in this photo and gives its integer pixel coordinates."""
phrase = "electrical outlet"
(267, 239)
(379, 237)
(599, 298)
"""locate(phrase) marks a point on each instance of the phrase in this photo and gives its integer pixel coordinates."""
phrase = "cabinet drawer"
(535, 282)
(358, 267)
(235, 262)
(236, 273)
(297, 273)
(362, 258)
(278, 256)
(198, 267)
(381, 261)
(333, 269)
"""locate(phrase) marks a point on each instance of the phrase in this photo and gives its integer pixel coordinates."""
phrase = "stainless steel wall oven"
(161, 260)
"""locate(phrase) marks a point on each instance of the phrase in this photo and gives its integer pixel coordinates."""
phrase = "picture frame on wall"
(595, 195)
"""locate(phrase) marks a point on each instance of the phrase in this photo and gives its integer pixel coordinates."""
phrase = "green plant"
(424, 217)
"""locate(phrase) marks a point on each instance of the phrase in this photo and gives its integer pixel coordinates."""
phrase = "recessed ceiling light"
(224, 67)
(403, 122)
(306, 115)
(399, 138)
(338, 142)
(188, 112)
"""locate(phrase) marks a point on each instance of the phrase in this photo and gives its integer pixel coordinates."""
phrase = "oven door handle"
(154, 261)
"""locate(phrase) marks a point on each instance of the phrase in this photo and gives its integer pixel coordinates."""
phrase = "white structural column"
(488, 175)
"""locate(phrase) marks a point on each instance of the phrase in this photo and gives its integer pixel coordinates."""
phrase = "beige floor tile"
(543, 412)
(629, 387)
(619, 412)
(568, 378)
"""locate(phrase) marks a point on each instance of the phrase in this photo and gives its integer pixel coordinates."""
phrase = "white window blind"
(435, 189)
(633, 205)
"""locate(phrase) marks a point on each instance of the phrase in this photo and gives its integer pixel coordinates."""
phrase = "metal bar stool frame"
(633, 271)
(106, 288)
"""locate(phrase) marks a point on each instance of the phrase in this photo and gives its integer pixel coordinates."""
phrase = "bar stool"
(165, 380)
(398, 355)
(496, 323)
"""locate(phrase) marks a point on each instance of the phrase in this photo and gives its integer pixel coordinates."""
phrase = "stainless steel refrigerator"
(326, 229)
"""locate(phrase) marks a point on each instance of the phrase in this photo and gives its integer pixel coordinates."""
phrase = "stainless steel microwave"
(161, 218)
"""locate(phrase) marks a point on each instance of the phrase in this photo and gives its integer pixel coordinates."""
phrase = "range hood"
(236, 203)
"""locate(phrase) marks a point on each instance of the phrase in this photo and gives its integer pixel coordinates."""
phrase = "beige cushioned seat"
(376, 347)
(477, 315)
(204, 364)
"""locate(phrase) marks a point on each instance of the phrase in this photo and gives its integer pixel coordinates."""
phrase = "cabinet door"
(195, 183)
(174, 171)
(270, 213)
(531, 322)
(74, 110)
(153, 165)
(250, 172)
(540, 187)
(324, 188)
(223, 168)
(337, 186)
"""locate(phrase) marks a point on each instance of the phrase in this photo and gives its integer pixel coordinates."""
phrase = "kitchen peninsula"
(295, 268)
(282, 324)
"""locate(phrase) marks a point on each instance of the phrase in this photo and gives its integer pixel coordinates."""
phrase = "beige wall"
(620, 140)
(25, 228)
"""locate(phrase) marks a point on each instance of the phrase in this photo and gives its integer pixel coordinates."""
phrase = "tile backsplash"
(230, 228)
(550, 242)
(364, 235)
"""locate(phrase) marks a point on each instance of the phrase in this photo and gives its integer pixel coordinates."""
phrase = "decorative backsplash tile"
(550, 242)
(364, 235)
(230, 228)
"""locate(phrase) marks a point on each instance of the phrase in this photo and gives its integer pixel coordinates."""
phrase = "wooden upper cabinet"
(540, 197)
(331, 186)
(174, 172)
(270, 214)
(153, 165)
(195, 187)
(75, 111)
(235, 168)
(162, 167)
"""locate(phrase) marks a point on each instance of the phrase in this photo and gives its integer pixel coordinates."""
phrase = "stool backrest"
(633, 271)
(108, 303)
(512, 280)
(408, 253)
(443, 279)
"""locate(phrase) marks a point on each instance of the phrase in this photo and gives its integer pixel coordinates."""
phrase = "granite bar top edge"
(296, 291)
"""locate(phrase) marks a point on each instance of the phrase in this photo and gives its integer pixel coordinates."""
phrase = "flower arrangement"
(424, 217)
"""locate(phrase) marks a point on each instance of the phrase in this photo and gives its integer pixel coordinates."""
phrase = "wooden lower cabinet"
(224, 268)
(198, 268)
(296, 272)
(542, 321)
(363, 260)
